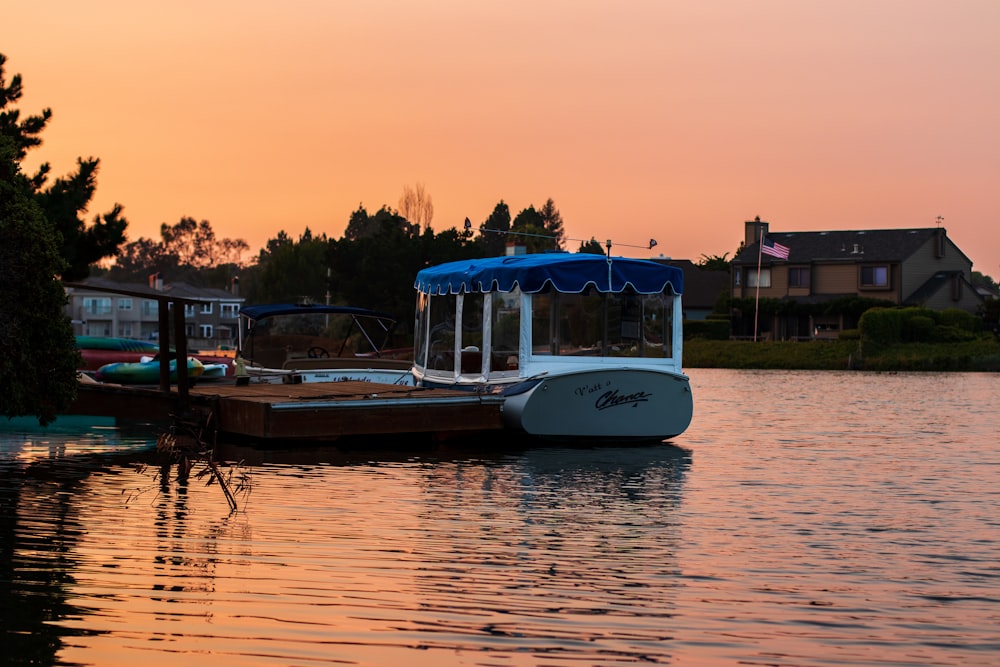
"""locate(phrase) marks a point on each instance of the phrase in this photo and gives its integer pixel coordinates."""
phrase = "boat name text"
(612, 399)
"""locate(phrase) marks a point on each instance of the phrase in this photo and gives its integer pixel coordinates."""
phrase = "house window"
(798, 276)
(875, 276)
(150, 308)
(124, 304)
(764, 275)
(736, 277)
(125, 329)
(206, 308)
(229, 311)
(97, 329)
(97, 305)
(956, 287)
(188, 310)
(189, 330)
(206, 330)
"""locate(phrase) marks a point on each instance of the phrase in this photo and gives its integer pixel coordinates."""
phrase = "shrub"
(958, 318)
(710, 329)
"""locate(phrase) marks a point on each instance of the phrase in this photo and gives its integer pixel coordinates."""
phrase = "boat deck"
(319, 411)
(330, 410)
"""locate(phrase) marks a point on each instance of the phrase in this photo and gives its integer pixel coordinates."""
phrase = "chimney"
(156, 282)
(234, 285)
(753, 230)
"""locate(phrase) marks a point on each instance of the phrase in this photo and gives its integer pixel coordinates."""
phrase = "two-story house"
(908, 267)
(210, 324)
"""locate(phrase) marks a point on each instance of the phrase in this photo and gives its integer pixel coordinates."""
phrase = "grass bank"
(977, 355)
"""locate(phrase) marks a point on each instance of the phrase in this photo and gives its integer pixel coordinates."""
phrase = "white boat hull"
(607, 404)
(376, 375)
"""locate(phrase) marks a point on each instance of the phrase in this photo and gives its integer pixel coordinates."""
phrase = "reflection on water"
(803, 519)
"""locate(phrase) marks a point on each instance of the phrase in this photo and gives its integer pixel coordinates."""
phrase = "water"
(803, 519)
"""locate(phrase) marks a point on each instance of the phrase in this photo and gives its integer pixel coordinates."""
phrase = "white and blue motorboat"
(581, 346)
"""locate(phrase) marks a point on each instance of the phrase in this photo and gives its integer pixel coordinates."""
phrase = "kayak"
(119, 344)
(145, 372)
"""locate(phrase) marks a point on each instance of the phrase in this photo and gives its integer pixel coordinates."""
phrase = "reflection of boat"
(307, 342)
(580, 345)
(145, 372)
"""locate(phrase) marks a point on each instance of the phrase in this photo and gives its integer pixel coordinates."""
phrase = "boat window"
(472, 334)
(595, 324)
(543, 336)
(419, 337)
(441, 333)
(639, 325)
(506, 328)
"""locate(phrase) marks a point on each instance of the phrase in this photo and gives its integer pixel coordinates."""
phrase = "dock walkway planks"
(330, 410)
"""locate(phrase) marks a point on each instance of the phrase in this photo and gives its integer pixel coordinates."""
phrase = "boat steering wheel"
(316, 352)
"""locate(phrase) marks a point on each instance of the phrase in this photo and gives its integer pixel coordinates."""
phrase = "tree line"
(46, 242)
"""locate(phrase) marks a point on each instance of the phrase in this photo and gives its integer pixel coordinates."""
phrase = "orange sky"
(674, 120)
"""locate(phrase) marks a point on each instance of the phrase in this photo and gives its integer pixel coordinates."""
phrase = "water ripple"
(808, 519)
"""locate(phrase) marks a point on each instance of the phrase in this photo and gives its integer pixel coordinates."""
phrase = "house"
(209, 324)
(907, 267)
(701, 288)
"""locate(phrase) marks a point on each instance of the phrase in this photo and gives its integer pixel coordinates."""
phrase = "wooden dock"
(319, 411)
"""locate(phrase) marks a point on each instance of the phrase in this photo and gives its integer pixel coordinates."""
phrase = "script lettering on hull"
(613, 399)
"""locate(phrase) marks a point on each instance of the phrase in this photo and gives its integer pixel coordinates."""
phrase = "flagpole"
(756, 302)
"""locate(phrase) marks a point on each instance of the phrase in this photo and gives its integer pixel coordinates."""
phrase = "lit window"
(874, 276)
(765, 278)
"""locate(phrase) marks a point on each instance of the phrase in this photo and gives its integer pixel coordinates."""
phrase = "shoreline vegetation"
(980, 355)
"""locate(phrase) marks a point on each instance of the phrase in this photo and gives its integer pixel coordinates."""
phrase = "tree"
(416, 206)
(529, 225)
(67, 198)
(592, 246)
(194, 244)
(187, 251)
(983, 280)
(293, 270)
(493, 232)
(552, 222)
(714, 262)
(38, 356)
(361, 225)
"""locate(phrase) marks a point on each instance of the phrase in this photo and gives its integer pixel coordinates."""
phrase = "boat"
(581, 346)
(311, 342)
(146, 371)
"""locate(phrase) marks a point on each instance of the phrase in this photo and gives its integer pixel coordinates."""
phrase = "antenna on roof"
(940, 219)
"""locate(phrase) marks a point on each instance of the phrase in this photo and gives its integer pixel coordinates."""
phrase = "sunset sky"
(668, 119)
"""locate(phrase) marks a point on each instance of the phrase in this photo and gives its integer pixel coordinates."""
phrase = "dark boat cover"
(565, 272)
(275, 309)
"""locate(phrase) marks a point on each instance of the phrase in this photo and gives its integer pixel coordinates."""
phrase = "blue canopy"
(565, 272)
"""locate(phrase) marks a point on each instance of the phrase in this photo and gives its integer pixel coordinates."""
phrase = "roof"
(276, 309)
(870, 245)
(935, 283)
(193, 292)
(701, 287)
(565, 272)
(179, 291)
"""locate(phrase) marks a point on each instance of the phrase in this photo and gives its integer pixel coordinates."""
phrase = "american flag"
(769, 247)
